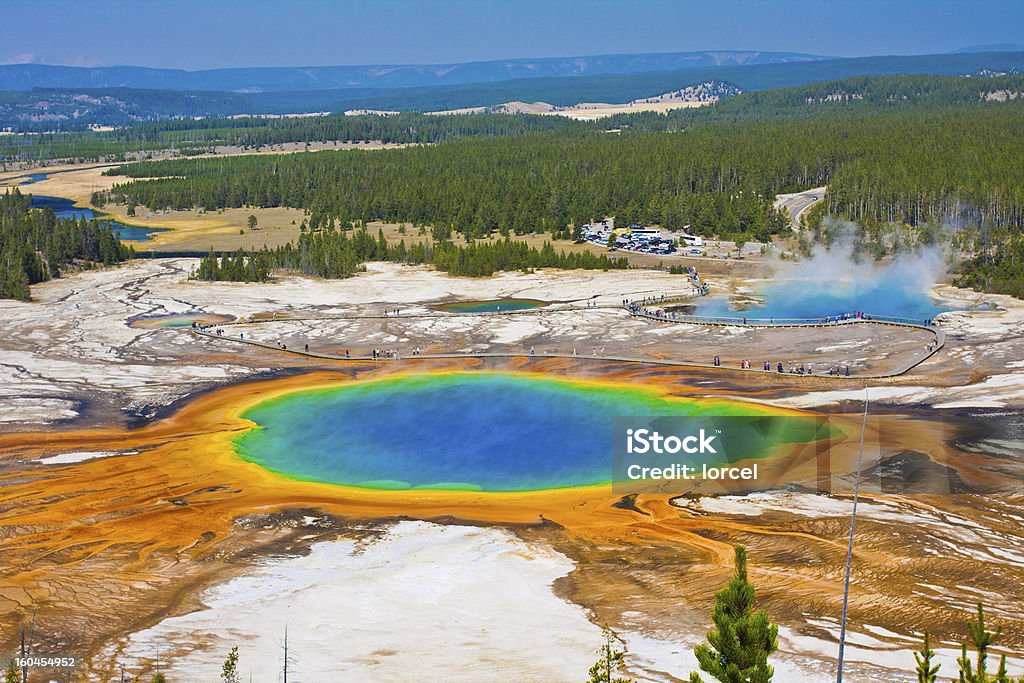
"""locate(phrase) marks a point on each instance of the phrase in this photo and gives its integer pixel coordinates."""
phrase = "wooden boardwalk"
(938, 344)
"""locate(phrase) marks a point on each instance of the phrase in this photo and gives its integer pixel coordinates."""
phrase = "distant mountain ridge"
(279, 79)
(47, 109)
(994, 47)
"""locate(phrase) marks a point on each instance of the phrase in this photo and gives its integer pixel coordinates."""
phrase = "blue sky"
(198, 34)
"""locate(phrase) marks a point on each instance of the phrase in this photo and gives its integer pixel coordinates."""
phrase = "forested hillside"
(958, 168)
(947, 165)
(997, 267)
(857, 96)
(35, 245)
(195, 136)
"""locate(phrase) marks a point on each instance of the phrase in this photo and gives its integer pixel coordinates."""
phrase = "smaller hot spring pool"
(491, 305)
(180, 319)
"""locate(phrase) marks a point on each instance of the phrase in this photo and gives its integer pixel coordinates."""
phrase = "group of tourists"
(636, 309)
(646, 301)
(791, 368)
(856, 315)
(389, 354)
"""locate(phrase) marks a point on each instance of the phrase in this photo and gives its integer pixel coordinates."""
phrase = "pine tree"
(742, 639)
(11, 675)
(926, 673)
(229, 672)
(610, 660)
(982, 639)
(158, 678)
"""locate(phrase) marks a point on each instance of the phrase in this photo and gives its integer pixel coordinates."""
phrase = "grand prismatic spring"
(486, 431)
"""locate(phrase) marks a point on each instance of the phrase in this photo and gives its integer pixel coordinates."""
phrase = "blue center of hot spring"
(478, 431)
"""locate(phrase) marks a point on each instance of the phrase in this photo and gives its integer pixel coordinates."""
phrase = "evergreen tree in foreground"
(926, 673)
(982, 639)
(610, 660)
(11, 675)
(229, 672)
(742, 639)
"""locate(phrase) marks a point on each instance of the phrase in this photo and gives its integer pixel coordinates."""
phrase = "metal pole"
(849, 547)
(24, 657)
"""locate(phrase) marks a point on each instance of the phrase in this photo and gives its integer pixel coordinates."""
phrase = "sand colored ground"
(584, 111)
(591, 111)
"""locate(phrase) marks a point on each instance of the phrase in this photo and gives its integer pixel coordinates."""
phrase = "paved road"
(799, 202)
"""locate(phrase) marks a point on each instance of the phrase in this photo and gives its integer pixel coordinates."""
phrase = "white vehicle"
(692, 240)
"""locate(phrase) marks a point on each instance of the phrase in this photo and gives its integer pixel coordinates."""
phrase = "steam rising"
(839, 280)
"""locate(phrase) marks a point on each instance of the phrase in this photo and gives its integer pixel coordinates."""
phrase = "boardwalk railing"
(646, 312)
